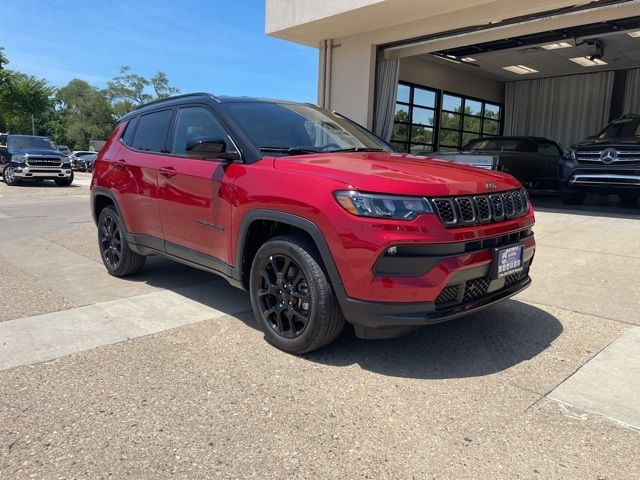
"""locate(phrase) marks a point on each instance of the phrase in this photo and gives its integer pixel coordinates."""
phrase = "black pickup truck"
(532, 160)
(607, 163)
(28, 157)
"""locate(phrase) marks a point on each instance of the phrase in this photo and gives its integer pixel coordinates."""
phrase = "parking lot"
(165, 373)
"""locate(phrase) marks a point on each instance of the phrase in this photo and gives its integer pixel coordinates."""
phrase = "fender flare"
(101, 191)
(290, 219)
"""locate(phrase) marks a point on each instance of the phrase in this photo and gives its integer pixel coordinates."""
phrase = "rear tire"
(573, 198)
(64, 182)
(291, 296)
(629, 198)
(118, 258)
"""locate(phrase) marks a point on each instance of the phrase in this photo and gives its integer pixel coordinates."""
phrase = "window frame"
(172, 126)
(438, 110)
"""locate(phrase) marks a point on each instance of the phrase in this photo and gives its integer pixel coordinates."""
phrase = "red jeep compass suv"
(319, 219)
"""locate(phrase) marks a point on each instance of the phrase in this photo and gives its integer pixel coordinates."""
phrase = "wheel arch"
(287, 223)
(100, 198)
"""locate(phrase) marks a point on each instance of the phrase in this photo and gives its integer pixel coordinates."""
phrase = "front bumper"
(598, 178)
(372, 319)
(23, 171)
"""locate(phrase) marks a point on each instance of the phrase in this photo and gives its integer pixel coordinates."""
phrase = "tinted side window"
(127, 137)
(193, 122)
(548, 149)
(151, 134)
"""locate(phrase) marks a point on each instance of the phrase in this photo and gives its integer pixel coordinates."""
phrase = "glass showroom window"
(463, 119)
(415, 119)
(428, 120)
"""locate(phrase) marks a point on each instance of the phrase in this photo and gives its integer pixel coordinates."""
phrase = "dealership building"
(431, 75)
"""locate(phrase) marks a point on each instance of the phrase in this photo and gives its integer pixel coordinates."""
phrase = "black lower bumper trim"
(369, 314)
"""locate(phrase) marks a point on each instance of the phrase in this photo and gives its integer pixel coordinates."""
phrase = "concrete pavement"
(165, 374)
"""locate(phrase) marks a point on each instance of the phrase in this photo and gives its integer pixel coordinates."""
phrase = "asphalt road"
(165, 374)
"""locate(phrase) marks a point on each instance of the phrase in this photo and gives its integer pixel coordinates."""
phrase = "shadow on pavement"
(594, 205)
(480, 344)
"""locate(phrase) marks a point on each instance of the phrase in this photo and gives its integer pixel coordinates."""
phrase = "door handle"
(168, 172)
(120, 164)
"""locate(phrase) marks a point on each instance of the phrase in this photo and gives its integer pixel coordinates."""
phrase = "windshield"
(290, 129)
(494, 144)
(41, 143)
(621, 128)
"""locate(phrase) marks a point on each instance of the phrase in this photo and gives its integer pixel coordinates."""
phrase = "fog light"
(392, 250)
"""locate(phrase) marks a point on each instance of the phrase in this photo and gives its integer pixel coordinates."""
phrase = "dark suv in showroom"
(29, 157)
(606, 163)
(319, 219)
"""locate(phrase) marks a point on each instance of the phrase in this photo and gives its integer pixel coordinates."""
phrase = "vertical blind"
(386, 86)
(565, 109)
(632, 92)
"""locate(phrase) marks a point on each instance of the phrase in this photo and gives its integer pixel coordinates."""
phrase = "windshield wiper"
(289, 150)
(356, 149)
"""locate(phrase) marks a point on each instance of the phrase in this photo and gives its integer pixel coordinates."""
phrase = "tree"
(23, 99)
(83, 113)
(129, 90)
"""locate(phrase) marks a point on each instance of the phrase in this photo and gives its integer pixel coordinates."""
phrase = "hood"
(609, 142)
(36, 152)
(397, 173)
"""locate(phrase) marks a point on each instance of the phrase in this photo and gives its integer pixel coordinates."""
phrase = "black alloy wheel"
(284, 296)
(110, 241)
(291, 295)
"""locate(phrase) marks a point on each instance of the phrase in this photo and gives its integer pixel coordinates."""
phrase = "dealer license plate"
(508, 260)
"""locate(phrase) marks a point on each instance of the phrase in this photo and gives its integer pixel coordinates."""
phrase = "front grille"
(446, 211)
(624, 156)
(467, 212)
(448, 294)
(44, 162)
(475, 289)
(464, 211)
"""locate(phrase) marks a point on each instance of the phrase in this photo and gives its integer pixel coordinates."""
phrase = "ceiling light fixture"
(556, 46)
(520, 69)
(635, 34)
(588, 61)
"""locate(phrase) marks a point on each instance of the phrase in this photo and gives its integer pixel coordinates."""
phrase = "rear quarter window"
(127, 136)
(151, 132)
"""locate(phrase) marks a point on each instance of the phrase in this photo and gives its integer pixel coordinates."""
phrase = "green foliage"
(21, 97)
(128, 90)
(76, 113)
(83, 113)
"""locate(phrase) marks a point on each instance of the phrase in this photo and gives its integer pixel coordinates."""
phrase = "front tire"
(64, 182)
(118, 258)
(9, 177)
(291, 296)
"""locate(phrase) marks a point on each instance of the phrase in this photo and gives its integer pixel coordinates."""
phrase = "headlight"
(19, 158)
(570, 153)
(382, 206)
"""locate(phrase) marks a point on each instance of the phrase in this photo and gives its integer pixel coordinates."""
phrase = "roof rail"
(175, 97)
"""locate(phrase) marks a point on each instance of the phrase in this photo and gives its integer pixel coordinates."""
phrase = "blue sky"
(216, 46)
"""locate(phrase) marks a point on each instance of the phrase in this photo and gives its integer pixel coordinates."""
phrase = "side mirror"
(209, 148)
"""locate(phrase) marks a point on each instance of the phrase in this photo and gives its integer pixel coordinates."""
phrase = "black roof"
(178, 99)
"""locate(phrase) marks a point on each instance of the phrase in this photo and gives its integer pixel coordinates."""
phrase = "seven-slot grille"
(623, 157)
(44, 162)
(471, 210)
